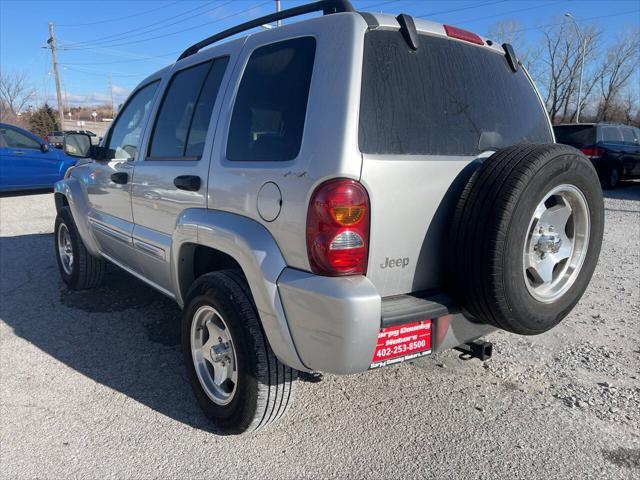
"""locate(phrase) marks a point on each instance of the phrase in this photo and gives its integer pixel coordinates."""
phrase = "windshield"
(446, 98)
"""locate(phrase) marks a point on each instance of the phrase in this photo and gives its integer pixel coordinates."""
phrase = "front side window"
(124, 138)
(183, 120)
(269, 112)
(15, 139)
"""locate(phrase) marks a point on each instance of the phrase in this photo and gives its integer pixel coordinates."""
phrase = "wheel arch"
(69, 193)
(210, 240)
(60, 200)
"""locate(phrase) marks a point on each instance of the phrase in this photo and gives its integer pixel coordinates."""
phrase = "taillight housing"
(338, 228)
(460, 34)
(593, 152)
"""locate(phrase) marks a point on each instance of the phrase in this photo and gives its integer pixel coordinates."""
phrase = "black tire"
(611, 178)
(490, 228)
(86, 271)
(265, 386)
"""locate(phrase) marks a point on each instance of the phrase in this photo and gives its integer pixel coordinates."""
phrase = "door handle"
(191, 183)
(120, 177)
(18, 153)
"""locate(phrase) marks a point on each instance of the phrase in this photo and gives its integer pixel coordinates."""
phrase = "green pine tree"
(44, 120)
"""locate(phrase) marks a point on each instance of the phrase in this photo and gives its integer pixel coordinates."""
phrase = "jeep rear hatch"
(425, 115)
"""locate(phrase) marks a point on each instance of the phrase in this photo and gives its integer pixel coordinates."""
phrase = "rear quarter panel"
(329, 144)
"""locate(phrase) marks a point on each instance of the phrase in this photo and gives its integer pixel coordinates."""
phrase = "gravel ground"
(93, 386)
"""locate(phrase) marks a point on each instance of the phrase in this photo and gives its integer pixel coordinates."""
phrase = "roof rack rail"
(326, 6)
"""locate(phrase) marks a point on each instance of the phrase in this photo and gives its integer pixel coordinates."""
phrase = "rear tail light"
(460, 34)
(592, 152)
(338, 228)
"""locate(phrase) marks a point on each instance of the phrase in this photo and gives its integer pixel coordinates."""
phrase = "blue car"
(27, 162)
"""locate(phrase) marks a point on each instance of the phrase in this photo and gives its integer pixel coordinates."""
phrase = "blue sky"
(130, 39)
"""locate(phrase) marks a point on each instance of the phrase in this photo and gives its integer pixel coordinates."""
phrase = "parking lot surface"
(92, 385)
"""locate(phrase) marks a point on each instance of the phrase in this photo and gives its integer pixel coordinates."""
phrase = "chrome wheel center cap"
(549, 242)
(220, 353)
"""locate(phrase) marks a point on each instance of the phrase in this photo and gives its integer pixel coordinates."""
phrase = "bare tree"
(561, 61)
(15, 92)
(510, 31)
(620, 63)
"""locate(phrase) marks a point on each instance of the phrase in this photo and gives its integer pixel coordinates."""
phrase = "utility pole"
(278, 22)
(111, 93)
(52, 44)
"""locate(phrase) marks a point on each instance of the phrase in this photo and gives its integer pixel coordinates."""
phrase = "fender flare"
(255, 250)
(71, 189)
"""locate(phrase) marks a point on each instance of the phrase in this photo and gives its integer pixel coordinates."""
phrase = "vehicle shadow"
(626, 190)
(123, 334)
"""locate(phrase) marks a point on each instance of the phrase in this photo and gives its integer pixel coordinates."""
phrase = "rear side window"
(446, 98)
(610, 134)
(627, 135)
(183, 119)
(578, 136)
(269, 112)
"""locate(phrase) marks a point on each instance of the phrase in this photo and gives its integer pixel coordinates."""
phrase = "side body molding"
(71, 188)
(257, 253)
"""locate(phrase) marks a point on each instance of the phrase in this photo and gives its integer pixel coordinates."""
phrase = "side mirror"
(45, 147)
(77, 145)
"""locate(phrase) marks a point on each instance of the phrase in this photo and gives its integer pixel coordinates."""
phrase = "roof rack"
(326, 6)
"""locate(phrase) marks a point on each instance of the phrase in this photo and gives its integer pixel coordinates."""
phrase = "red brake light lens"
(592, 152)
(338, 228)
(460, 34)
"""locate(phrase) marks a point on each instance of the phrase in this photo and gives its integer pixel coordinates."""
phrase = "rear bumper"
(334, 321)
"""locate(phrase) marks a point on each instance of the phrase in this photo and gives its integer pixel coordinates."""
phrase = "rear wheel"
(527, 232)
(236, 378)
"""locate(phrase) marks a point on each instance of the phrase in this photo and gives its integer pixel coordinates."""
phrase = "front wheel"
(78, 268)
(236, 378)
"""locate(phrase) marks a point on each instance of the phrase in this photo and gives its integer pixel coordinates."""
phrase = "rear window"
(578, 136)
(271, 105)
(446, 98)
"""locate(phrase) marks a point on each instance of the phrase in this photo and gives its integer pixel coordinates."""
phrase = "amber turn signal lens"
(347, 215)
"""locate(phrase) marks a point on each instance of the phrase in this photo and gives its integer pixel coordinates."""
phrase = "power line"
(131, 60)
(597, 17)
(98, 22)
(379, 4)
(463, 22)
(468, 7)
(101, 73)
(178, 31)
(140, 31)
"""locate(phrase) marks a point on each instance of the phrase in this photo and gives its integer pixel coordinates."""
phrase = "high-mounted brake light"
(460, 34)
(592, 152)
(338, 228)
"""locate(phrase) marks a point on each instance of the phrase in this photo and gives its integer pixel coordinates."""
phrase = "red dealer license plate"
(402, 342)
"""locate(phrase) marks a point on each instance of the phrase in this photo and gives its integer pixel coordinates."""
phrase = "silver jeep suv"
(337, 194)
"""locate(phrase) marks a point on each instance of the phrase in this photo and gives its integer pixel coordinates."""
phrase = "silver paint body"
(150, 228)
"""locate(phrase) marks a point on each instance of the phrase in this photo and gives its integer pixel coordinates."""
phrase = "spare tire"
(526, 234)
